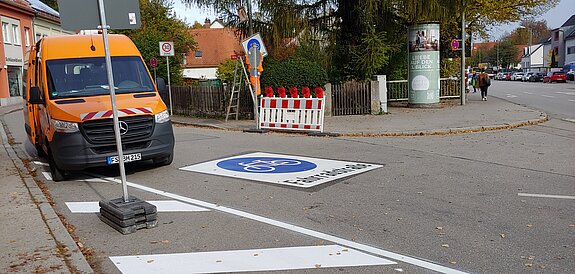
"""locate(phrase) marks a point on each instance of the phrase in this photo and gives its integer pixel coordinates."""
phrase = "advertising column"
(423, 68)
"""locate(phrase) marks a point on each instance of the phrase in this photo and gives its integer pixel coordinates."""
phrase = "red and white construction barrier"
(303, 114)
(108, 113)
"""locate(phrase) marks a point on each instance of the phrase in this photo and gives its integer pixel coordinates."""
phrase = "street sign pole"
(169, 86)
(104, 28)
(463, 39)
(255, 59)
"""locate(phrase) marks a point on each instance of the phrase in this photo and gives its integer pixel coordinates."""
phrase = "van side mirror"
(161, 85)
(35, 96)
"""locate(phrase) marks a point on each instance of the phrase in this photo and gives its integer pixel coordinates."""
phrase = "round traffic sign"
(454, 44)
(167, 47)
(254, 41)
(154, 62)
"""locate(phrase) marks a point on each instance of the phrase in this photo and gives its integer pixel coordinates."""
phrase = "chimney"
(207, 23)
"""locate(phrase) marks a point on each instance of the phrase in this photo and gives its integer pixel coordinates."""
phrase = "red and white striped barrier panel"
(303, 114)
(108, 113)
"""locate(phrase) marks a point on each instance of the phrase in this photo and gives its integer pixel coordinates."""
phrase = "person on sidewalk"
(474, 82)
(483, 83)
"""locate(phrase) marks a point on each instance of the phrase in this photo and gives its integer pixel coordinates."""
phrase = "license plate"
(127, 158)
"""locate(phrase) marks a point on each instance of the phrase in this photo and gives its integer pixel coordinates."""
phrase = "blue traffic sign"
(254, 41)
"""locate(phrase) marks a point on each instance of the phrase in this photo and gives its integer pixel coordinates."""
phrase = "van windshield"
(80, 77)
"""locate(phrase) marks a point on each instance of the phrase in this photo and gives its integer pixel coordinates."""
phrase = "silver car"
(516, 76)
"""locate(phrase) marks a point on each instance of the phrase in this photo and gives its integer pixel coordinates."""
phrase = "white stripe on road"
(548, 96)
(526, 92)
(546, 196)
(287, 258)
(571, 100)
(47, 175)
(566, 93)
(161, 206)
(569, 120)
(305, 231)
(511, 96)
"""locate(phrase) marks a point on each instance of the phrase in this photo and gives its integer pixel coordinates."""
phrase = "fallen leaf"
(165, 241)
(531, 258)
(573, 225)
(317, 265)
(453, 262)
(150, 261)
(502, 235)
(80, 245)
(218, 261)
(529, 264)
(420, 192)
(529, 225)
(255, 255)
(439, 228)
(542, 266)
(444, 245)
(345, 250)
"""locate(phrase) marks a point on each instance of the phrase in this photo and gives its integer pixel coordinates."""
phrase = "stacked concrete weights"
(127, 217)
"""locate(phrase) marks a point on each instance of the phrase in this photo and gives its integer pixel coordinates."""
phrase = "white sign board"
(296, 171)
(259, 43)
(166, 48)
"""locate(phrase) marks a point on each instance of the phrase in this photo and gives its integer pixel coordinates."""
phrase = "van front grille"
(101, 132)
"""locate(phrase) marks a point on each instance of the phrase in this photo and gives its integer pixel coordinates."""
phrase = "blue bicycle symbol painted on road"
(266, 165)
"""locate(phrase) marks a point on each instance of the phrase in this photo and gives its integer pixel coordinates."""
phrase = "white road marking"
(566, 93)
(511, 96)
(40, 163)
(548, 96)
(47, 175)
(161, 206)
(546, 196)
(569, 120)
(287, 258)
(302, 230)
(571, 100)
(527, 92)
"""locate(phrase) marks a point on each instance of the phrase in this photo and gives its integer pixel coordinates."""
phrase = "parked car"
(571, 75)
(500, 76)
(516, 76)
(508, 76)
(555, 76)
(537, 77)
(526, 76)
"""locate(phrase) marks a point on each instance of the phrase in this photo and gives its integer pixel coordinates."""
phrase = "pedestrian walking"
(483, 82)
(474, 81)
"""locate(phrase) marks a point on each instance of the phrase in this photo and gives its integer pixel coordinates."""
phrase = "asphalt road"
(468, 203)
(557, 99)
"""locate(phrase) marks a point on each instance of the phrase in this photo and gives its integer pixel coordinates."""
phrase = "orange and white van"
(68, 111)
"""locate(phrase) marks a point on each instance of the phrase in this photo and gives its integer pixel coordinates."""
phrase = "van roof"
(78, 46)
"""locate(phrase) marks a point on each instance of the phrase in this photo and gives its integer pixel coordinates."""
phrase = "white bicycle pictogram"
(267, 166)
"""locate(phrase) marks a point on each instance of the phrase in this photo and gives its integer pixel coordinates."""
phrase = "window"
(184, 59)
(16, 34)
(6, 33)
(198, 54)
(27, 38)
(556, 36)
(571, 50)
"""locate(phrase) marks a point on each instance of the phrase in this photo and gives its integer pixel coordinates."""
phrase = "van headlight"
(162, 117)
(63, 126)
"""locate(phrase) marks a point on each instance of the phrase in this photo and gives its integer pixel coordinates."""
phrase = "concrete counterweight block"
(127, 217)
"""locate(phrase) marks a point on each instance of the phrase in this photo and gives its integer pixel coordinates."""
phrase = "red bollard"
(269, 92)
(293, 92)
(318, 92)
(306, 92)
(282, 92)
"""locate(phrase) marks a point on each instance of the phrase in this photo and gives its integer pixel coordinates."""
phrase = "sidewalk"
(34, 239)
(475, 116)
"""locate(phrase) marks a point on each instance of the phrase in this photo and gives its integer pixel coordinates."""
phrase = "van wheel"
(57, 173)
(164, 161)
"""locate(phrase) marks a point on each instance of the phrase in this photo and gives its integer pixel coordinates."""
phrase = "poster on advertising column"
(423, 69)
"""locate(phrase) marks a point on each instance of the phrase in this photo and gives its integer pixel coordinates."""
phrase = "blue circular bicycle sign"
(266, 165)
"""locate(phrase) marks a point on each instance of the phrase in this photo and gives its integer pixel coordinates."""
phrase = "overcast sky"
(555, 17)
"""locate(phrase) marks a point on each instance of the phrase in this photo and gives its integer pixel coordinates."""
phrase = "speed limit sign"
(166, 48)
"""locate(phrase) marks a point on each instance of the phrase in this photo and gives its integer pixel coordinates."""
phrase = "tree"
(197, 25)
(160, 24)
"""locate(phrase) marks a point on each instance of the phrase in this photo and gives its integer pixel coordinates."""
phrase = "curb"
(74, 258)
(544, 118)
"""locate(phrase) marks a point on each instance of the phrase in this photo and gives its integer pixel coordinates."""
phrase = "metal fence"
(397, 90)
(351, 98)
(206, 101)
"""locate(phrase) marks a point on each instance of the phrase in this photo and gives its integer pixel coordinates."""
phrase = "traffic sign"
(166, 48)
(256, 40)
(454, 44)
(153, 62)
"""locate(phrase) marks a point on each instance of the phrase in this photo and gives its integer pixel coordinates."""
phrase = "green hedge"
(293, 72)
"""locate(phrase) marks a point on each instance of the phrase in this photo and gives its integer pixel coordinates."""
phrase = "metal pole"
(250, 26)
(105, 27)
(169, 86)
(155, 77)
(463, 82)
